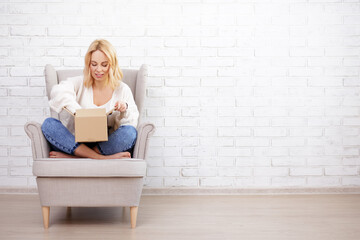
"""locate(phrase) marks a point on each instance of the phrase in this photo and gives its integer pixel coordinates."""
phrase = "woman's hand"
(121, 106)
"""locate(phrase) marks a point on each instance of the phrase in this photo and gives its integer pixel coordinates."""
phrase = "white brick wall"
(243, 93)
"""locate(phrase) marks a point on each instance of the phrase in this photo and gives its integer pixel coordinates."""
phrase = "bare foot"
(118, 155)
(96, 150)
(114, 156)
(54, 154)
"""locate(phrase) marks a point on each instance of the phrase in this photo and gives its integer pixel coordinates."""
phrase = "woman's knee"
(126, 136)
(130, 132)
(49, 124)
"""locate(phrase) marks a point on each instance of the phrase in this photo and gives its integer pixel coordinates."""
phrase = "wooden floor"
(305, 217)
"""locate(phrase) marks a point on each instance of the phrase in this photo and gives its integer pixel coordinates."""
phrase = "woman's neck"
(99, 85)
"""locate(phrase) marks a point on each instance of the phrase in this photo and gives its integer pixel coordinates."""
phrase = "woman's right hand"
(120, 106)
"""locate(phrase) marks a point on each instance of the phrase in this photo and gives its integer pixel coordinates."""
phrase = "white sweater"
(72, 94)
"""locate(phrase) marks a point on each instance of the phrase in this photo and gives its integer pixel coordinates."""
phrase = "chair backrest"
(135, 79)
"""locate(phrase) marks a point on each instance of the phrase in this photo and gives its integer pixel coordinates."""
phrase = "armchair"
(83, 182)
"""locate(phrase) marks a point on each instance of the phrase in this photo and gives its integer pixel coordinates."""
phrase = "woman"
(99, 87)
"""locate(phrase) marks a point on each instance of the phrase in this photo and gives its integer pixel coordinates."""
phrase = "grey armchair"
(82, 182)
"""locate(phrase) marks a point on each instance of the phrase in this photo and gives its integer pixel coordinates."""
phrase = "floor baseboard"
(250, 191)
(220, 191)
(15, 190)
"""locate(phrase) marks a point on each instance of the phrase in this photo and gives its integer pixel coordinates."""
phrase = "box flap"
(65, 108)
(91, 112)
(110, 112)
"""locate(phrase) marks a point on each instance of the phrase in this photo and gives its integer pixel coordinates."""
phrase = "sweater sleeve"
(64, 95)
(131, 115)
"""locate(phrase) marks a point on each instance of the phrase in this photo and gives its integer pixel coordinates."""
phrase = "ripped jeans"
(61, 139)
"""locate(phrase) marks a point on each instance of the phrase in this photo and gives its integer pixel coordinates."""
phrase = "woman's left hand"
(121, 106)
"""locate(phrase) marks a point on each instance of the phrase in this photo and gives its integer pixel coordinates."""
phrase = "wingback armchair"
(82, 182)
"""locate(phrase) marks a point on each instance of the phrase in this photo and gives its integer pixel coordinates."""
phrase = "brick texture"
(243, 93)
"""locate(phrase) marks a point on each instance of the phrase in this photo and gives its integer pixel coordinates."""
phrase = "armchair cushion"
(85, 167)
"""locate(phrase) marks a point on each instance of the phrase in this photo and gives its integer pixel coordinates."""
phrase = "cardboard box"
(91, 124)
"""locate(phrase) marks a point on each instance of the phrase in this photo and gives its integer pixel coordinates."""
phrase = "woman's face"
(99, 66)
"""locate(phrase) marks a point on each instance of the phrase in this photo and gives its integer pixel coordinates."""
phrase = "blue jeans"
(61, 139)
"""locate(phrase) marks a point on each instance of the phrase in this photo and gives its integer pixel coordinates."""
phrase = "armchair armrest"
(145, 130)
(40, 146)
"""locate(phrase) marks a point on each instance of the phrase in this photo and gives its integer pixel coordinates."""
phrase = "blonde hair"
(115, 74)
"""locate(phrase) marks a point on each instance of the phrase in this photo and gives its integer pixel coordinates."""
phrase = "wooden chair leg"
(133, 216)
(46, 216)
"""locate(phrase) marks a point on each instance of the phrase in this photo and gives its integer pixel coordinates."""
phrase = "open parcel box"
(91, 124)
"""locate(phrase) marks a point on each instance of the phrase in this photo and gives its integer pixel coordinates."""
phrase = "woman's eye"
(104, 65)
(94, 65)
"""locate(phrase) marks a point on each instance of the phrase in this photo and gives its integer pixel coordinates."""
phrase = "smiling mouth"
(99, 75)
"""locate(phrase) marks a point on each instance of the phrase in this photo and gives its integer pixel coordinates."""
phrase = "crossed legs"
(119, 141)
(84, 151)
